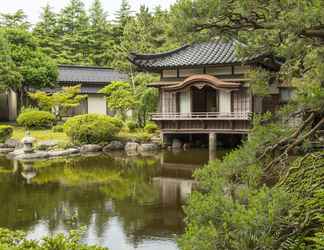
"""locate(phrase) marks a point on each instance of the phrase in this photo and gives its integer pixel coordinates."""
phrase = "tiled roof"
(89, 74)
(208, 53)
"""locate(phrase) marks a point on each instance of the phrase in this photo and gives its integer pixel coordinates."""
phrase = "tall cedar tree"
(46, 30)
(100, 36)
(73, 26)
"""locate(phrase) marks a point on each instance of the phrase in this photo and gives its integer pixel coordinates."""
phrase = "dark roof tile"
(89, 74)
(208, 53)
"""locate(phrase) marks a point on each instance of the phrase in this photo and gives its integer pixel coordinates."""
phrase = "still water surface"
(125, 202)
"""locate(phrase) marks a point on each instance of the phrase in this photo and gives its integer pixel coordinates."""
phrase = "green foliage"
(58, 129)
(92, 128)
(36, 119)
(148, 97)
(5, 132)
(59, 102)
(16, 240)
(151, 128)
(131, 125)
(120, 97)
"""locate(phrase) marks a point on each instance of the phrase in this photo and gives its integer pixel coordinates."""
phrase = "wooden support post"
(212, 146)
(212, 141)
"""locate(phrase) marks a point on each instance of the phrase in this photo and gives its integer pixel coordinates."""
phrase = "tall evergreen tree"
(46, 31)
(18, 19)
(73, 27)
(122, 17)
(100, 36)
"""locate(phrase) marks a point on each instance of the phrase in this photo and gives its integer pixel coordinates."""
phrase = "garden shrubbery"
(92, 128)
(16, 240)
(131, 125)
(5, 132)
(151, 128)
(36, 119)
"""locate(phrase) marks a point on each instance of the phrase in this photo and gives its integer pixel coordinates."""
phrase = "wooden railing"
(202, 116)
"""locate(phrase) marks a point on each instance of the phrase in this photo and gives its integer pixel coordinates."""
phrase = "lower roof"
(77, 74)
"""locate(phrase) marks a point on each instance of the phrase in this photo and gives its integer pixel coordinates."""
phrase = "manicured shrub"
(58, 129)
(5, 132)
(131, 125)
(36, 119)
(151, 128)
(92, 128)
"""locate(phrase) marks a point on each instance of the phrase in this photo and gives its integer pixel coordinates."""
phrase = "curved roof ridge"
(161, 54)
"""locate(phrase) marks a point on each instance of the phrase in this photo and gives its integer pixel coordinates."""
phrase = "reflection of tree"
(81, 186)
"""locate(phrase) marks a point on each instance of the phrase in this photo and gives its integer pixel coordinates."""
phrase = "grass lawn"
(40, 135)
(63, 139)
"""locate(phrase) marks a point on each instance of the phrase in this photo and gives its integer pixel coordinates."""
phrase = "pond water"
(125, 202)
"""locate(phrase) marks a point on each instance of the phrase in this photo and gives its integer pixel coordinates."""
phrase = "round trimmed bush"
(92, 128)
(131, 125)
(151, 128)
(36, 119)
(5, 132)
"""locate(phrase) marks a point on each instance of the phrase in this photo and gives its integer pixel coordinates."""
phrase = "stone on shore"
(131, 146)
(6, 150)
(35, 155)
(66, 152)
(114, 146)
(148, 147)
(91, 148)
(46, 145)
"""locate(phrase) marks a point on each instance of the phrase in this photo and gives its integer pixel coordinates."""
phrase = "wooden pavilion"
(204, 90)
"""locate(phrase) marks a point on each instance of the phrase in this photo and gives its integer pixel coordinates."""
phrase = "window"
(190, 72)
(218, 71)
(170, 73)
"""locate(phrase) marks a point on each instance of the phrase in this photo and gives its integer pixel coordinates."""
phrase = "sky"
(33, 7)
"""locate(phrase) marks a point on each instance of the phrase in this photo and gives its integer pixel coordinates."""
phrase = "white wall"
(12, 103)
(224, 101)
(97, 104)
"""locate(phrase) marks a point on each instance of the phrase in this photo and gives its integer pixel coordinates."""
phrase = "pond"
(125, 202)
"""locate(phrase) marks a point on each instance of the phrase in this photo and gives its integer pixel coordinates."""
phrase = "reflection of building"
(175, 176)
(173, 191)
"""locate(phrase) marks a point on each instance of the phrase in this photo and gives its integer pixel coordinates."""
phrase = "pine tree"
(46, 30)
(100, 41)
(73, 27)
(16, 20)
(122, 17)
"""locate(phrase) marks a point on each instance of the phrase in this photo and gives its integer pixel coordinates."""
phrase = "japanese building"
(203, 89)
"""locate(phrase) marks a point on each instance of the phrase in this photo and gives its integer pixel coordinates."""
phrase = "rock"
(6, 150)
(12, 143)
(148, 147)
(2, 145)
(45, 145)
(66, 152)
(186, 146)
(15, 153)
(35, 155)
(114, 146)
(176, 144)
(131, 146)
(91, 148)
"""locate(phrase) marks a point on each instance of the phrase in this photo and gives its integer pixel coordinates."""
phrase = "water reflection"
(126, 202)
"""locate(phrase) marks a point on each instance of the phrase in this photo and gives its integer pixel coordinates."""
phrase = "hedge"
(36, 119)
(92, 128)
